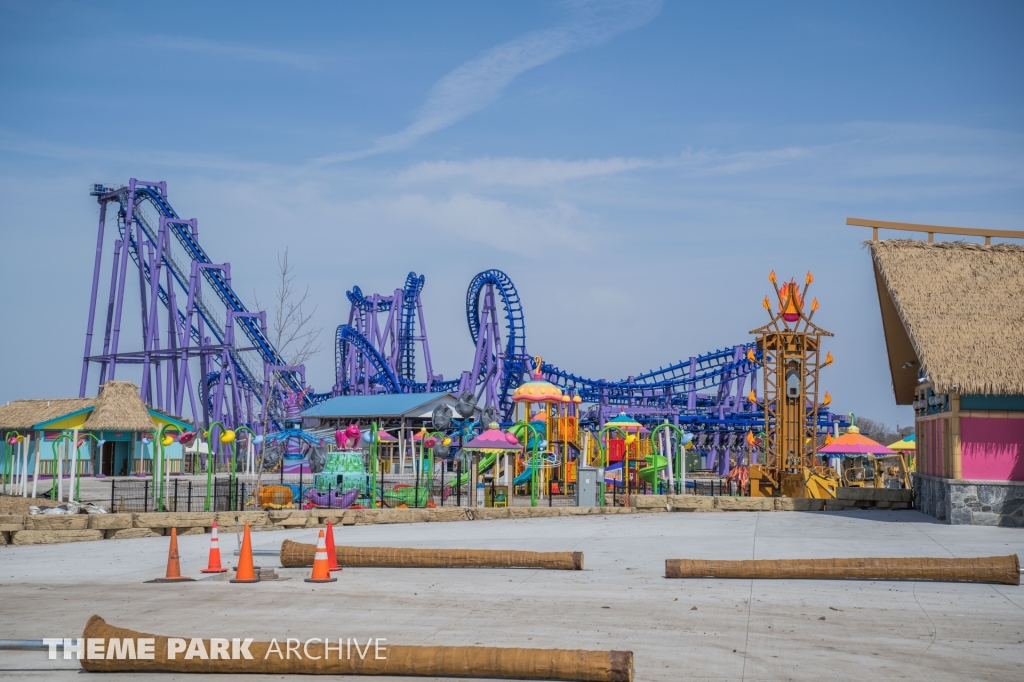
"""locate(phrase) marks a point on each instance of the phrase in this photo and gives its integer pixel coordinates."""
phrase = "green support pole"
(603, 446)
(57, 472)
(438, 437)
(209, 459)
(534, 478)
(158, 442)
(374, 463)
(252, 434)
(672, 428)
(9, 457)
(78, 478)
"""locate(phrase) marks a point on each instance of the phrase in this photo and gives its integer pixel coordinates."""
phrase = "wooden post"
(957, 452)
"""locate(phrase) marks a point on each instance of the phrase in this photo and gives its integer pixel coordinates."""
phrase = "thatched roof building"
(22, 415)
(955, 310)
(118, 407)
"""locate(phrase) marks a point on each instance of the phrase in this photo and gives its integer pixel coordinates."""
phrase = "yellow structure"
(790, 349)
(554, 418)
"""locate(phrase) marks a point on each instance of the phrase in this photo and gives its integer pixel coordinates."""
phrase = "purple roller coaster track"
(200, 346)
(199, 343)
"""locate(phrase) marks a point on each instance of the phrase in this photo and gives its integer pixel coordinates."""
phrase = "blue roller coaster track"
(674, 387)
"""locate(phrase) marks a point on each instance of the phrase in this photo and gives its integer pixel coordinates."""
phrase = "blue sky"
(636, 168)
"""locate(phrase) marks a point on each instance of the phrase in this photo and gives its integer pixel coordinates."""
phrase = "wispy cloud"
(480, 82)
(522, 172)
(232, 50)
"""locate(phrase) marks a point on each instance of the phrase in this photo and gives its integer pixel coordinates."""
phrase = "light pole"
(373, 463)
(57, 491)
(162, 440)
(234, 457)
(77, 480)
(224, 431)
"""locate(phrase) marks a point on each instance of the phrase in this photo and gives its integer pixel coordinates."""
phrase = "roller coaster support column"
(94, 291)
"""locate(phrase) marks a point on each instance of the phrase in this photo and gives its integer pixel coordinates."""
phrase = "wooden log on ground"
(993, 569)
(300, 554)
(389, 659)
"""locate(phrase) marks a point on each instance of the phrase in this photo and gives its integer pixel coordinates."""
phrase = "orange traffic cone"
(321, 570)
(214, 563)
(332, 556)
(246, 573)
(173, 564)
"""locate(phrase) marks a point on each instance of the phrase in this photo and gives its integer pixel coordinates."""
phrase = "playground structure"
(190, 315)
(703, 395)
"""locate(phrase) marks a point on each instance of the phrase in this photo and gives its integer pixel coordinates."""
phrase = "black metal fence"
(298, 491)
(180, 496)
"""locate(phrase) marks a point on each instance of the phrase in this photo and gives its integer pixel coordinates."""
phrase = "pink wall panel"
(992, 448)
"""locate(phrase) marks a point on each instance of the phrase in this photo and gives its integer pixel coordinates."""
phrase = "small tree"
(881, 432)
(291, 323)
(294, 335)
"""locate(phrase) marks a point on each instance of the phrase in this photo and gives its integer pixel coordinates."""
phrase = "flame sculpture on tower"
(790, 351)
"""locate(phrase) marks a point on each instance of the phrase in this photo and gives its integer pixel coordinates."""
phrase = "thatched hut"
(120, 423)
(953, 317)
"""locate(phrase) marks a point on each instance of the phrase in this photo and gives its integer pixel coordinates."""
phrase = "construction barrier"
(396, 660)
(993, 569)
(300, 554)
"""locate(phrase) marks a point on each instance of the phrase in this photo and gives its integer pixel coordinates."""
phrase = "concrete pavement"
(678, 629)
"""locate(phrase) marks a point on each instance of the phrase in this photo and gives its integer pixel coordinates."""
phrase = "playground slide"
(407, 495)
(655, 463)
(486, 462)
(523, 477)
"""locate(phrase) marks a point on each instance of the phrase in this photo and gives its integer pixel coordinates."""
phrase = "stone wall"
(969, 502)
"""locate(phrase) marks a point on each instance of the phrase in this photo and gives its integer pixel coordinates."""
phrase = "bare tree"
(881, 432)
(291, 322)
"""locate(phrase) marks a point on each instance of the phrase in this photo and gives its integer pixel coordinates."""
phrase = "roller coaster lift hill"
(190, 315)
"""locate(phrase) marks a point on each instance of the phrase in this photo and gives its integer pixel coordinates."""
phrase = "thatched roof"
(119, 408)
(21, 415)
(954, 309)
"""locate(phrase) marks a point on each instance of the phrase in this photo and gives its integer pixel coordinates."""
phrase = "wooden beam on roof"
(903, 361)
(932, 230)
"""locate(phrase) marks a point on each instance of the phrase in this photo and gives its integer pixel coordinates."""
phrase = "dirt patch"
(10, 504)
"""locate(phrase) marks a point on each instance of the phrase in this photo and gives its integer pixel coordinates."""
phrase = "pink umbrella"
(492, 441)
(855, 444)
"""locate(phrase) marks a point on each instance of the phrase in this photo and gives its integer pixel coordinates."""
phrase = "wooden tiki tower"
(790, 346)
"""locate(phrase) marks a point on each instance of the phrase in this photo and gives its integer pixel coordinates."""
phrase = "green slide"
(486, 462)
(655, 463)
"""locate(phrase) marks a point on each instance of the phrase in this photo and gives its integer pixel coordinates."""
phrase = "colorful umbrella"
(493, 441)
(852, 443)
